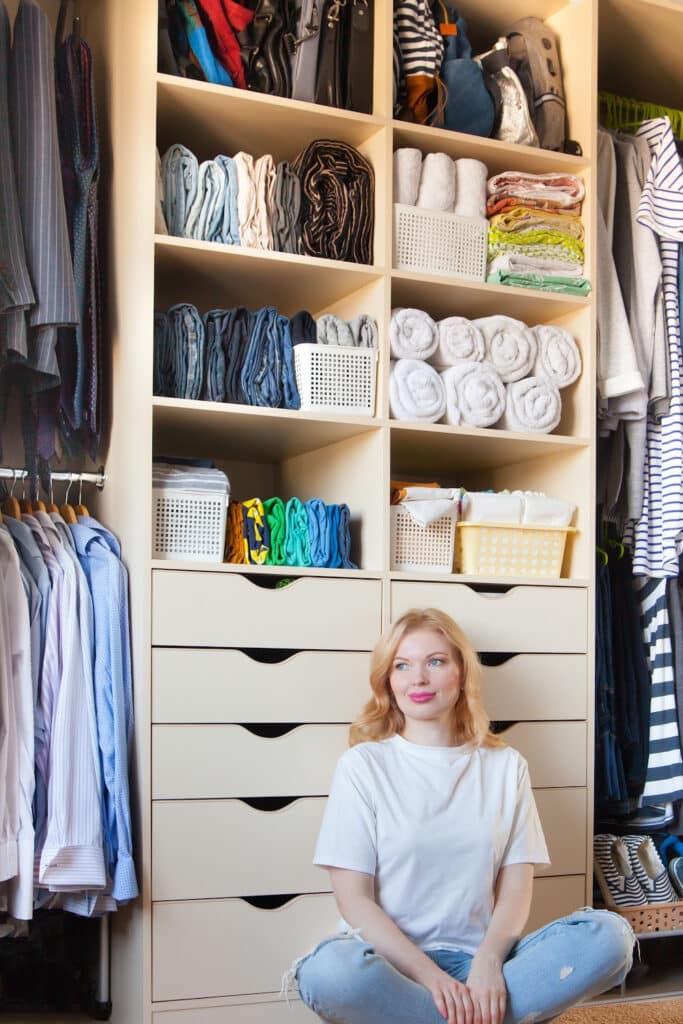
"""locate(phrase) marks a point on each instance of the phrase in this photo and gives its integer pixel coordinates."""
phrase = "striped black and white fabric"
(617, 882)
(420, 42)
(656, 538)
(649, 869)
(664, 779)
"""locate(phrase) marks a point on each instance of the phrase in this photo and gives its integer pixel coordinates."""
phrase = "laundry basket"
(484, 549)
(416, 548)
(336, 378)
(440, 243)
(188, 525)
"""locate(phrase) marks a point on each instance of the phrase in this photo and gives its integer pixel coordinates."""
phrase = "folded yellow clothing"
(533, 240)
(234, 542)
(523, 218)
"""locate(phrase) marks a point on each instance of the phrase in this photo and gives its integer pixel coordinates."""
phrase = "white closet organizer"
(244, 691)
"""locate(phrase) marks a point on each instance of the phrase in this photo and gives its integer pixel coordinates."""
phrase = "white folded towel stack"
(533, 404)
(459, 341)
(558, 356)
(470, 178)
(407, 168)
(510, 346)
(437, 183)
(412, 334)
(475, 394)
(489, 507)
(427, 504)
(416, 391)
(540, 510)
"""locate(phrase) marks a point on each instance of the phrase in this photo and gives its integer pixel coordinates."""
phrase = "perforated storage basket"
(336, 378)
(483, 549)
(441, 243)
(425, 548)
(655, 917)
(188, 525)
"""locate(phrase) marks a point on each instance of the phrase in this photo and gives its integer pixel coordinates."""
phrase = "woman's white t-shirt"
(434, 825)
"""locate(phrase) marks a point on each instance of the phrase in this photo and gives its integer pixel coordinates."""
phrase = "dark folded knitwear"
(267, 376)
(214, 377)
(163, 363)
(285, 209)
(304, 329)
(337, 202)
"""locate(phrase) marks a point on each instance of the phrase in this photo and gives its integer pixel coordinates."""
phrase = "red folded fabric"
(225, 19)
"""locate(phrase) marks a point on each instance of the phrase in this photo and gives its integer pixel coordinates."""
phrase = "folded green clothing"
(274, 511)
(546, 282)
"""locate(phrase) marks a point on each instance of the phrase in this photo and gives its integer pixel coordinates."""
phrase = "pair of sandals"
(630, 871)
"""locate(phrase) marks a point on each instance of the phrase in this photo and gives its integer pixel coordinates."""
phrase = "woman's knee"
(337, 973)
(611, 940)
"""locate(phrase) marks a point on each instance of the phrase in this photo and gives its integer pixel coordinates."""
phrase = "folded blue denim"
(344, 537)
(186, 329)
(205, 216)
(297, 540)
(229, 233)
(214, 377)
(237, 327)
(180, 176)
(318, 532)
(267, 375)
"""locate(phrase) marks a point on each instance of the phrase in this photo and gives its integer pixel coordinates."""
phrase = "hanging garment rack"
(98, 478)
(621, 113)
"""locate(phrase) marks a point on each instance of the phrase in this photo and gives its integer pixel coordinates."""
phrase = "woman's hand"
(451, 998)
(487, 989)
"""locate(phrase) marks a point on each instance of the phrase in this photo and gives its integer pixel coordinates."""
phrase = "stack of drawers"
(215, 857)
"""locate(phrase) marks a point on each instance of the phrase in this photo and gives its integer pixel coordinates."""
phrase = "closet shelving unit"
(195, 949)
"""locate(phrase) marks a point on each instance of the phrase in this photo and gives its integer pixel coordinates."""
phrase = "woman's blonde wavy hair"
(381, 717)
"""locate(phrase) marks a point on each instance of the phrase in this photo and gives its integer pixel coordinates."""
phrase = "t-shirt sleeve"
(526, 844)
(347, 837)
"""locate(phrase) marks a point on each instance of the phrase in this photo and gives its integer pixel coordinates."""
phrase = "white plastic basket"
(336, 378)
(440, 243)
(188, 525)
(483, 549)
(421, 548)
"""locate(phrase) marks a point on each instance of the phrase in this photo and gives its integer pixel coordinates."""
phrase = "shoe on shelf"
(613, 869)
(676, 874)
(649, 870)
(652, 816)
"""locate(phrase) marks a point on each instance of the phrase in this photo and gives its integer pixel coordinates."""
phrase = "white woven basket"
(421, 548)
(336, 378)
(483, 549)
(188, 525)
(440, 243)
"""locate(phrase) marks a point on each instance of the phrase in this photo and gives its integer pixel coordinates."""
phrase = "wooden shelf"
(223, 431)
(264, 570)
(455, 296)
(647, 36)
(209, 119)
(212, 275)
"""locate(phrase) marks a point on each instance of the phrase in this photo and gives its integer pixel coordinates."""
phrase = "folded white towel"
(541, 510)
(412, 334)
(470, 181)
(518, 263)
(364, 331)
(489, 507)
(332, 330)
(444, 502)
(437, 183)
(558, 356)
(407, 168)
(459, 340)
(475, 394)
(510, 346)
(416, 391)
(532, 404)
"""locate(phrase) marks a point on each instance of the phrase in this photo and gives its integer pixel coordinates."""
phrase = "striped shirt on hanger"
(419, 39)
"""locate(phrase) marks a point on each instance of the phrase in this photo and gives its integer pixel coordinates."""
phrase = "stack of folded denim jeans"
(179, 352)
(294, 532)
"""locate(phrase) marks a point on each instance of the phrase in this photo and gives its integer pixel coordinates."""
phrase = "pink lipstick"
(421, 698)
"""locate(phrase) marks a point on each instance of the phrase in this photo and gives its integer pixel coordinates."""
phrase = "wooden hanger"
(81, 509)
(66, 510)
(10, 505)
(51, 507)
(25, 503)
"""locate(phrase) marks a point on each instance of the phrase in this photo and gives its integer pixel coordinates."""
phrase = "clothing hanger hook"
(68, 488)
(14, 482)
(80, 490)
(52, 496)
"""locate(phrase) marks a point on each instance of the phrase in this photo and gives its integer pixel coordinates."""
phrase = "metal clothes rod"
(87, 478)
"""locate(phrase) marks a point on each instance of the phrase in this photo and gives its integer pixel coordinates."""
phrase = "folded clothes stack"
(427, 502)
(493, 371)
(536, 238)
(294, 532)
(233, 355)
(322, 204)
(172, 476)
(437, 182)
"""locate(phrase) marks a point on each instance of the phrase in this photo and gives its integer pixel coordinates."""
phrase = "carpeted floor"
(661, 1011)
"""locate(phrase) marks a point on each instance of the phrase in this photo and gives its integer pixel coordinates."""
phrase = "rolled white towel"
(412, 334)
(489, 507)
(459, 339)
(475, 394)
(510, 346)
(558, 356)
(532, 404)
(437, 183)
(407, 168)
(470, 180)
(416, 391)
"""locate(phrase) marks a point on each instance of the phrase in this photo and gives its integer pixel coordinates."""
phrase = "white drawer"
(292, 1012)
(563, 814)
(204, 761)
(556, 751)
(210, 948)
(190, 685)
(537, 686)
(235, 856)
(555, 897)
(526, 619)
(220, 609)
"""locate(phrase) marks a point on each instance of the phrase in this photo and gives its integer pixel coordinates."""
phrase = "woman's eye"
(436, 661)
(400, 665)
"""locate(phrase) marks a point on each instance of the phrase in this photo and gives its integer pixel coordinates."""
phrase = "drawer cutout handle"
(264, 656)
(270, 730)
(268, 804)
(496, 660)
(501, 727)
(270, 902)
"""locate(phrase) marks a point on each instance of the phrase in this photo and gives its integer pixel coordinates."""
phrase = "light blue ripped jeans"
(574, 958)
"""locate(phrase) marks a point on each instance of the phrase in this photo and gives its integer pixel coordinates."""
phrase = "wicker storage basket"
(655, 917)
(421, 548)
(188, 525)
(336, 378)
(440, 243)
(484, 549)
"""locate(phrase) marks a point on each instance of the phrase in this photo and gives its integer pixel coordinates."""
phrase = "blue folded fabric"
(290, 391)
(237, 327)
(335, 559)
(163, 363)
(303, 328)
(267, 375)
(318, 532)
(230, 228)
(297, 539)
(180, 175)
(186, 329)
(214, 377)
(339, 518)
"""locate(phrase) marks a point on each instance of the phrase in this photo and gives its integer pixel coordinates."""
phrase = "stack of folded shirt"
(426, 503)
(277, 532)
(536, 238)
(173, 476)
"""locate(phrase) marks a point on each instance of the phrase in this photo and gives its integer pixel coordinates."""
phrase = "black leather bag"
(329, 83)
(359, 63)
(345, 64)
(264, 46)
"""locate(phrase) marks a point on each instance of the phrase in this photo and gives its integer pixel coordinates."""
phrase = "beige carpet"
(661, 1011)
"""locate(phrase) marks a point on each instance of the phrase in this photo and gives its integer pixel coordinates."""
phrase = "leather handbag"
(263, 47)
(304, 46)
(359, 59)
(328, 85)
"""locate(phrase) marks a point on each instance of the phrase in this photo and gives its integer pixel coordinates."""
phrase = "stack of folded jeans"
(179, 342)
(294, 532)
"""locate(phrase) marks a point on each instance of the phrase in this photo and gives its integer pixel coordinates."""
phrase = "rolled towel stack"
(459, 340)
(416, 391)
(532, 405)
(510, 346)
(407, 169)
(475, 394)
(558, 358)
(412, 334)
(437, 182)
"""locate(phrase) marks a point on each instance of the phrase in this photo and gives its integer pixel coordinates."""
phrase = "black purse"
(345, 64)
(359, 63)
(328, 85)
(264, 47)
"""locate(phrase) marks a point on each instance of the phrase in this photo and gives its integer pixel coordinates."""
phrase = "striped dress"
(656, 538)
(420, 42)
(664, 780)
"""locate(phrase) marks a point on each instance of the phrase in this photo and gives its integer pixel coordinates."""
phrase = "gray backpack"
(535, 58)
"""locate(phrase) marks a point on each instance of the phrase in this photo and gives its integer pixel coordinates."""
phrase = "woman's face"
(426, 676)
